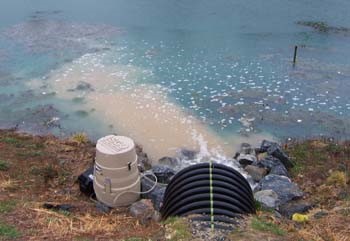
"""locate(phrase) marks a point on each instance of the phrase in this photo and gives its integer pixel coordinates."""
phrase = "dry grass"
(7, 184)
(333, 227)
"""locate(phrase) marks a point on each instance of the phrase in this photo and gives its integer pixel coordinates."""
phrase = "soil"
(35, 170)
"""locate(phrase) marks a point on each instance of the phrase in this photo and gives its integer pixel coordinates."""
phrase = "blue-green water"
(226, 62)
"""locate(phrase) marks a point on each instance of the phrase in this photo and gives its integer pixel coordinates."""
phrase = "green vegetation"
(262, 225)
(12, 141)
(8, 232)
(7, 206)
(317, 25)
(30, 154)
(178, 229)
(80, 138)
(4, 165)
(337, 178)
(134, 239)
(47, 172)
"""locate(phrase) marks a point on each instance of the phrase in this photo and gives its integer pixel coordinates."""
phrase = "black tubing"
(215, 177)
(217, 212)
(202, 186)
(206, 196)
(217, 174)
(189, 192)
(202, 168)
(217, 218)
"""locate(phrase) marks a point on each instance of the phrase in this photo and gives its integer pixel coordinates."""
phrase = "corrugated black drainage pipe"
(220, 191)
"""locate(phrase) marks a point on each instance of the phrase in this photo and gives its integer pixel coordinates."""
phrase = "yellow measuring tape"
(211, 195)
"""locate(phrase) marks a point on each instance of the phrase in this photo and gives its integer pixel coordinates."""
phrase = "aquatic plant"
(322, 27)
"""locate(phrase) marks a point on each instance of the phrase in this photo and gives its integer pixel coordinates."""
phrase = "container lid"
(112, 145)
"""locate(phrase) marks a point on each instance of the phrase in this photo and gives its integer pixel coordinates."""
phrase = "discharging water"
(200, 74)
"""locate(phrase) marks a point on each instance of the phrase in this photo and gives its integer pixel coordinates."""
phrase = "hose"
(145, 192)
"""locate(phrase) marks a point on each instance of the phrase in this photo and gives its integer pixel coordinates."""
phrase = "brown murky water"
(141, 111)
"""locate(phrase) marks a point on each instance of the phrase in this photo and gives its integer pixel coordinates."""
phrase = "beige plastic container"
(116, 176)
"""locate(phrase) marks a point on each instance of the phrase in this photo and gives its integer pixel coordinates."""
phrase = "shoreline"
(35, 170)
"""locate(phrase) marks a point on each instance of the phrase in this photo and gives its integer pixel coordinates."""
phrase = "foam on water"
(141, 111)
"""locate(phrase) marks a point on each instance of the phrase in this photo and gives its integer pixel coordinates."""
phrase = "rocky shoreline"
(38, 182)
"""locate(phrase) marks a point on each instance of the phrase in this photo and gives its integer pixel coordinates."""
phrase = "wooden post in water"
(295, 54)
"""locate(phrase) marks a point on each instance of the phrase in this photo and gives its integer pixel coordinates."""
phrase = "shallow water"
(175, 73)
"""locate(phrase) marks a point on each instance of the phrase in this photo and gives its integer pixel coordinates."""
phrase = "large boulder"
(298, 206)
(143, 210)
(163, 173)
(267, 198)
(275, 150)
(169, 161)
(246, 155)
(273, 165)
(285, 189)
(257, 173)
(246, 159)
(187, 154)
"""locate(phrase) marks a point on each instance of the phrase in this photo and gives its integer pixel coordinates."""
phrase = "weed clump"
(266, 226)
(337, 178)
(8, 232)
(177, 229)
(7, 206)
(79, 138)
(4, 165)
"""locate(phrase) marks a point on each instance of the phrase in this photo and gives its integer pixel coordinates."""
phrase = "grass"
(10, 140)
(29, 154)
(134, 239)
(8, 232)
(80, 138)
(47, 172)
(265, 226)
(337, 178)
(8, 185)
(4, 165)
(177, 229)
(7, 206)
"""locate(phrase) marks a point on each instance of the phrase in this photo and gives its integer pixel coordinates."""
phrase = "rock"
(163, 173)
(285, 189)
(268, 198)
(170, 161)
(276, 151)
(157, 190)
(142, 210)
(273, 165)
(269, 162)
(59, 207)
(246, 149)
(292, 207)
(257, 173)
(187, 154)
(279, 170)
(265, 145)
(102, 208)
(320, 214)
(245, 160)
(144, 163)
